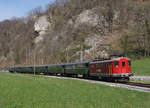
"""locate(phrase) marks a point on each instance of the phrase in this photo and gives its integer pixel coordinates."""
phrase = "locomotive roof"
(111, 60)
(121, 58)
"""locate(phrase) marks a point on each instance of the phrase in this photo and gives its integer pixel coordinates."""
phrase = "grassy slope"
(141, 67)
(25, 91)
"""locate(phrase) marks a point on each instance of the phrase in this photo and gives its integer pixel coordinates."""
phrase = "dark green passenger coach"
(63, 69)
(77, 68)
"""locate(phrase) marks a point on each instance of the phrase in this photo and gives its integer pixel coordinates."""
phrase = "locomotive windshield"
(123, 64)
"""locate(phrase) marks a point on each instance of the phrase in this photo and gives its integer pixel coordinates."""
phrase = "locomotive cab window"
(116, 63)
(129, 63)
(123, 64)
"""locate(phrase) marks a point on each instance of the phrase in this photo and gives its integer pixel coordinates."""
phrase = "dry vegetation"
(127, 19)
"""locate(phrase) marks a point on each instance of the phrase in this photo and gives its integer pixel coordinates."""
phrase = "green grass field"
(141, 67)
(28, 91)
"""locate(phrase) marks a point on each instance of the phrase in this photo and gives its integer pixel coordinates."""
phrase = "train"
(116, 69)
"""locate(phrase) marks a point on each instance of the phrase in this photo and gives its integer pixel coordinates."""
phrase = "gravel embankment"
(140, 78)
(4, 71)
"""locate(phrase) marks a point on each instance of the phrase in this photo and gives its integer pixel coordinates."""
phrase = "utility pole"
(42, 58)
(67, 55)
(26, 55)
(34, 60)
(81, 54)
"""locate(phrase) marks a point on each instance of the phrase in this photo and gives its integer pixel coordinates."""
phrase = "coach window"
(73, 66)
(123, 64)
(86, 64)
(116, 63)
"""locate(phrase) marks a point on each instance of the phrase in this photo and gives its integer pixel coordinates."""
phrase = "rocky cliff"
(98, 40)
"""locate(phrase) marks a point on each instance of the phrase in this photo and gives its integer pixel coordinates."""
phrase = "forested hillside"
(68, 29)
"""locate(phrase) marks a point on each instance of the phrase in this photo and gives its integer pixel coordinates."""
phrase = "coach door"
(116, 67)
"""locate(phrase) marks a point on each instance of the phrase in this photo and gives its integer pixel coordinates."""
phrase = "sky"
(19, 8)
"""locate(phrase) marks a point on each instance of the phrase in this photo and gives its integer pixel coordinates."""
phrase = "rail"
(137, 84)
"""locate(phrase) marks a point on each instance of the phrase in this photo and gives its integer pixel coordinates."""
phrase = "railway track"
(137, 84)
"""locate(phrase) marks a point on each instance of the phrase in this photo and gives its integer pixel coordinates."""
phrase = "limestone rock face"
(41, 26)
(39, 39)
(87, 17)
(98, 46)
(97, 39)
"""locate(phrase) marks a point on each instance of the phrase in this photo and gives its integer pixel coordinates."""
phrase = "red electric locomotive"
(114, 69)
